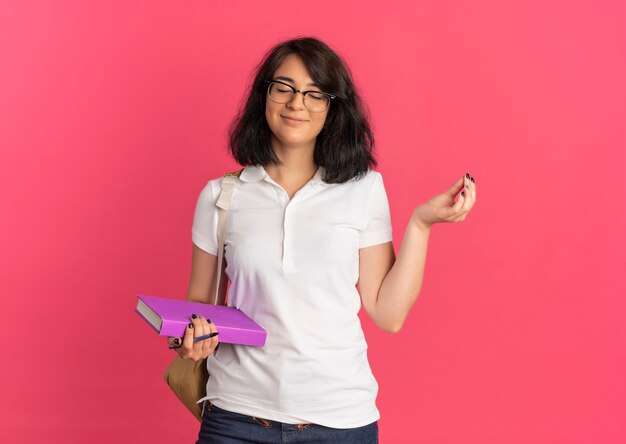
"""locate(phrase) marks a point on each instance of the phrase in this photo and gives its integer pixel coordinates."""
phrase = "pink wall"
(113, 116)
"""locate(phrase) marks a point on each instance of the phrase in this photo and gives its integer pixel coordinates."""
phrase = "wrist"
(420, 224)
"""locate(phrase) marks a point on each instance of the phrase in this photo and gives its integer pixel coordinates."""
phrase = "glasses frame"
(296, 90)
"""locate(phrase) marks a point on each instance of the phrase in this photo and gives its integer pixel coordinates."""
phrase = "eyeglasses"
(314, 101)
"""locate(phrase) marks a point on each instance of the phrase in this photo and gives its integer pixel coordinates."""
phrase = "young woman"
(309, 221)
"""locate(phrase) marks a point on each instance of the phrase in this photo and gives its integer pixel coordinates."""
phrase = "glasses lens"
(280, 93)
(316, 102)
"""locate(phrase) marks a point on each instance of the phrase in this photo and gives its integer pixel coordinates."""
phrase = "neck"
(297, 162)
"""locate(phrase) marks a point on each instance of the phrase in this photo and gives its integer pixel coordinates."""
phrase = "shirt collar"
(256, 173)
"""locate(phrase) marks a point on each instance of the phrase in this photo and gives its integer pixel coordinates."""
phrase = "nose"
(297, 101)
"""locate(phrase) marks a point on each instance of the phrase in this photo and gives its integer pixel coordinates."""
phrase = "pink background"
(113, 116)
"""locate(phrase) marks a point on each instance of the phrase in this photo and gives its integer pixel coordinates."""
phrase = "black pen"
(199, 338)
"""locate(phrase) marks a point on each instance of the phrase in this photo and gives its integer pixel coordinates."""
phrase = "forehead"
(293, 70)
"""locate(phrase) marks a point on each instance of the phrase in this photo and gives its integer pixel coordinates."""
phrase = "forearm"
(400, 288)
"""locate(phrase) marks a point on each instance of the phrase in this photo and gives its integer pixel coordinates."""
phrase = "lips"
(293, 118)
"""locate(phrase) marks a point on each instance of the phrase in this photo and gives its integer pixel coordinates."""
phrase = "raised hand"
(443, 208)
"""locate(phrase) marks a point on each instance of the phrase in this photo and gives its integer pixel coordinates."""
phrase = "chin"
(295, 140)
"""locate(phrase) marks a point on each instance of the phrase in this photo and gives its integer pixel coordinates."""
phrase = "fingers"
(208, 345)
(201, 348)
(186, 350)
(196, 351)
(473, 187)
(468, 196)
(198, 330)
(215, 341)
(174, 341)
(470, 192)
(458, 205)
(456, 187)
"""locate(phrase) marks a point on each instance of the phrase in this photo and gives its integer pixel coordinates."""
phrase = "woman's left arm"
(389, 286)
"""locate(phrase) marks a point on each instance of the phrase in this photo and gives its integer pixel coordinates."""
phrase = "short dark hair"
(344, 147)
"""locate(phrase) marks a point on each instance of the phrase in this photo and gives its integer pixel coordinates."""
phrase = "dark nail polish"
(209, 321)
(473, 180)
(176, 341)
(463, 193)
(467, 175)
(193, 316)
(190, 325)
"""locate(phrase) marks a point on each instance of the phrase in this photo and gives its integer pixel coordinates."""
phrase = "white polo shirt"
(293, 267)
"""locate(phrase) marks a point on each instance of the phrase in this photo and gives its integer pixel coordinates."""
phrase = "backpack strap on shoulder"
(228, 185)
(223, 204)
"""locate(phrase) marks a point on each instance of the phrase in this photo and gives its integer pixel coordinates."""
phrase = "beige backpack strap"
(223, 204)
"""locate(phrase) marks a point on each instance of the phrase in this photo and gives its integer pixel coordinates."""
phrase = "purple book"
(170, 317)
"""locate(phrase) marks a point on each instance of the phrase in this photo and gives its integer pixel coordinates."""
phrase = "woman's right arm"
(201, 289)
(204, 278)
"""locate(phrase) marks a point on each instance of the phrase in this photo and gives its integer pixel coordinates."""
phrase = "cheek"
(270, 116)
(319, 123)
(268, 110)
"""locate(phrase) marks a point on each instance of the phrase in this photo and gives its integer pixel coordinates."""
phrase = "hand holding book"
(192, 345)
(170, 317)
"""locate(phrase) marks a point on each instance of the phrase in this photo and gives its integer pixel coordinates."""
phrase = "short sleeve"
(204, 229)
(378, 226)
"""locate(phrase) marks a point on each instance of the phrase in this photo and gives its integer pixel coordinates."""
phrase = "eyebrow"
(289, 79)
